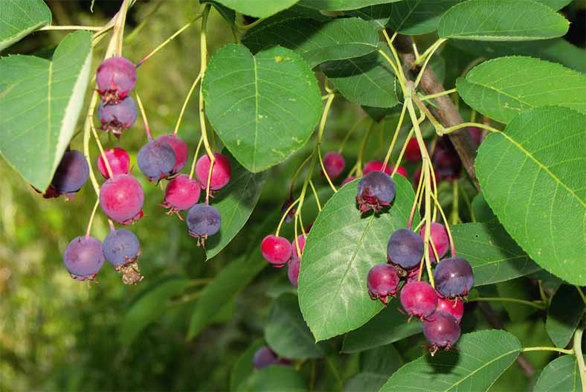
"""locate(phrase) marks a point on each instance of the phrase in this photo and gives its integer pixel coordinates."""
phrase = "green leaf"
(288, 335)
(493, 254)
(561, 374)
(378, 15)
(276, 379)
(340, 250)
(367, 80)
(258, 9)
(532, 176)
(244, 366)
(366, 382)
(416, 17)
(520, 86)
(228, 14)
(317, 41)
(341, 5)
(564, 315)
(19, 18)
(263, 107)
(376, 366)
(149, 306)
(387, 327)
(517, 289)
(555, 4)
(235, 203)
(40, 102)
(480, 359)
(502, 20)
(482, 211)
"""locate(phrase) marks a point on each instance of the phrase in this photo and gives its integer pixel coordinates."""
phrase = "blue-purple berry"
(156, 160)
(375, 191)
(72, 173)
(405, 249)
(453, 277)
(121, 247)
(203, 220)
(83, 257)
(117, 117)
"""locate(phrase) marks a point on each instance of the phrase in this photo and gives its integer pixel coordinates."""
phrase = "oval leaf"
(340, 250)
(480, 359)
(520, 86)
(341, 5)
(416, 17)
(263, 107)
(40, 102)
(316, 41)
(532, 176)
(561, 374)
(276, 379)
(258, 9)
(493, 254)
(502, 20)
(378, 15)
(19, 18)
(564, 315)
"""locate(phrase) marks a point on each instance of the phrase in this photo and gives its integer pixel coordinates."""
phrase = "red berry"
(442, 330)
(419, 299)
(376, 166)
(382, 282)
(122, 198)
(293, 271)
(181, 193)
(453, 307)
(349, 179)
(115, 77)
(220, 173)
(181, 151)
(334, 163)
(412, 152)
(117, 158)
(301, 241)
(276, 250)
(440, 239)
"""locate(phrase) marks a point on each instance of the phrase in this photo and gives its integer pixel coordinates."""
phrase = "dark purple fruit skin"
(453, 277)
(405, 249)
(156, 160)
(264, 357)
(203, 220)
(375, 190)
(180, 149)
(419, 299)
(72, 173)
(117, 117)
(446, 161)
(121, 247)
(382, 282)
(442, 330)
(115, 77)
(83, 257)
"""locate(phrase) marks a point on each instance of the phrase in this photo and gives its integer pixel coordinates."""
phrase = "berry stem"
(537, 305)
(284, 216)
(362, 149)
(86, 141)
(144, 117)
(427, 55)
(297, 175)
(395, 137)
(579, 357)
(445, 131)
(102, 153)
(322, 126)
(315, 195)
(432, 96)
(455, 213)
(242, 27)
(195, 158)
(189, 94)
(448, 229)
(111, 225)
(89, 225)
(415, 201)
(556, 349)
(581, 293)
(135, 32)
(349, 133)
(401, 74)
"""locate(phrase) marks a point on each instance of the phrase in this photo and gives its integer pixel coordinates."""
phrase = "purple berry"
(453, 307)
(440, 239)
(180, 149)
(442, 330)
(293, 271)
(83, 257)
(115, 77)
(264, 357)
(334, 163)
(117, 158)
(72, 173)
(382, 282)
(181, 193)
(419, 299)
(117, 117)
(445, 160)
(453, 277)
(220, 173)
(156, 160)
(122, 250)
(122, 198)
(405, 249)
(203, 220)
(375, 190)
(276, 250)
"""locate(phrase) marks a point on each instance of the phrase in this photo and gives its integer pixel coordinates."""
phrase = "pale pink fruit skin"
(181, 151)
(440, 240)
(117, 158)
(182, 193)
(276, 250)
(220, 174)
(122, 198)
(334, 163)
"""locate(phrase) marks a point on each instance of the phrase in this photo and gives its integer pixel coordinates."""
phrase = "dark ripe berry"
(83, 257)
(477, 134)
(180, 148)
(203, 220)
(334, 163)
(291, 213)
(442, 330)
(412, 151)
(445, 160)
(405, 249)
(375, 190)
(264, 357)
(122, 250)
(301, 241)
(220, 173)
(115, 77)
(181, 193)
(440, 239)
(419, 299)
(453, 277)
(276, 250)
(293, 271)
(382, 282)
(117, 117)
(349, 179)
(121, 199)
(376, 166)
(117, 158)
(453, 307)
(156, 160)
(72, 173)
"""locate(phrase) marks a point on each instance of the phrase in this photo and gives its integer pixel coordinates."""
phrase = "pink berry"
(220, 173)
(453, 307)
(440, 239)
(382, 282)
(115, 77)
(334, 163)
(181, 151)
(293, 271)
(181, 193)
(376, 166)
(412, 152)
(419, 299)
(301, 241)
(347, 180)
(122, 198)
(117, 158)
(276, 250)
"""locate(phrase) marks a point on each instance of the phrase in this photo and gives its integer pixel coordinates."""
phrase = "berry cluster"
(279, 251)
